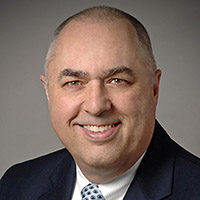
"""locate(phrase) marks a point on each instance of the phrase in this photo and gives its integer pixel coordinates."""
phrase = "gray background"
(26, 30)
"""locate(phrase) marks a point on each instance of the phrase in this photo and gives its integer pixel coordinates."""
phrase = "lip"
(101, 135)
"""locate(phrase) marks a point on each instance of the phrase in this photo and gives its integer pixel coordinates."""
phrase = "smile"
(100, 130)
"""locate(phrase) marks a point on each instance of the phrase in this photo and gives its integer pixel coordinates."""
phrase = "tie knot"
(91, 192)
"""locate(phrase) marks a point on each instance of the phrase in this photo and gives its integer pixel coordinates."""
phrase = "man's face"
(101, 98)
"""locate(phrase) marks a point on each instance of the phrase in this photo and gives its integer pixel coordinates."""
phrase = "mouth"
(99, 128)
(100, 132)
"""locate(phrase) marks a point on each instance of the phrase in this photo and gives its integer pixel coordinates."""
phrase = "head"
(102, 90)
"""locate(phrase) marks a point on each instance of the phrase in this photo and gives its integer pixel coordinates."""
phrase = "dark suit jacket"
(167, 171)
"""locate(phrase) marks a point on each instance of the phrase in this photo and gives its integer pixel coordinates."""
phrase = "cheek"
(63, 109)
(126, 102)
(136, 109)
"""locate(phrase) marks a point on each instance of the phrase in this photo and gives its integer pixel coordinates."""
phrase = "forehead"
(95, 45)
(116, 27)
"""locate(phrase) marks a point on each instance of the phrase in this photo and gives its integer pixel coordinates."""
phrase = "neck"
(100, 175)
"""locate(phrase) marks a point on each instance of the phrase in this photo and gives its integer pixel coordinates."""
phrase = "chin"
(103, 160)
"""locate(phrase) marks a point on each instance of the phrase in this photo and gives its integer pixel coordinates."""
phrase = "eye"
(74, 83)
(117, 81)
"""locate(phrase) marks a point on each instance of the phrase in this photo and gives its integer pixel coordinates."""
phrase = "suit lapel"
(154, 177)
(62, 181)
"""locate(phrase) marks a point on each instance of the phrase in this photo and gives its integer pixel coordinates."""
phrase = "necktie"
(91, 192)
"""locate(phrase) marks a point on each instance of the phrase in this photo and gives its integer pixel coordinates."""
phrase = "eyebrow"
(107, 73)
(72, 72)
(118, 70)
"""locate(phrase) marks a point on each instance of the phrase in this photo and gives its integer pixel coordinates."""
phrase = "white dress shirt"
(113, 190)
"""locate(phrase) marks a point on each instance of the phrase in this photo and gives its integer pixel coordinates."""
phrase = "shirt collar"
(113, 189)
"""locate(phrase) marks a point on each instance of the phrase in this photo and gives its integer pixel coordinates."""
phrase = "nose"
(96, 100)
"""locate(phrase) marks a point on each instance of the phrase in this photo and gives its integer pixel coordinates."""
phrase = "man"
(102, 88)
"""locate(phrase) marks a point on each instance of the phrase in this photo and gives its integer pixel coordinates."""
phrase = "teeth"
(98, 128)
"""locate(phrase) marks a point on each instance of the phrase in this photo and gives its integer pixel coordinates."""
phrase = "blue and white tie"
(91, 192)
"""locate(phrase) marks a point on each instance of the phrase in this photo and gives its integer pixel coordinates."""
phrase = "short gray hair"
(103, 14)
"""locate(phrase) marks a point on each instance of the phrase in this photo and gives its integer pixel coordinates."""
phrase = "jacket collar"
(154, 177)
(62, 181)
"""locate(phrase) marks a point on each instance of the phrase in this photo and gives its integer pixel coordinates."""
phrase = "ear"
(43, 80)
(156, 85)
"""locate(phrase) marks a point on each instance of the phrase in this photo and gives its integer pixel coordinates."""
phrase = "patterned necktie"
(91, 192)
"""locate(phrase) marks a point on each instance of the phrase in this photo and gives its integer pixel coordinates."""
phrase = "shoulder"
(183, 158)
(184, 165)
(186, 174)
(187, 164)
(32, 174)
(47, 162)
